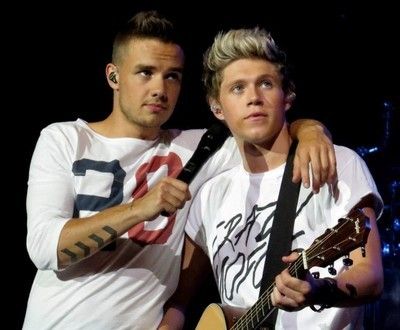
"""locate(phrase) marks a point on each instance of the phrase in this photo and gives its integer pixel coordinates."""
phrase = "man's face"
(252, 100)
(149, 82)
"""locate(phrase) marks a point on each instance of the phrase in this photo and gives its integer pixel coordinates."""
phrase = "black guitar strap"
(280, 241)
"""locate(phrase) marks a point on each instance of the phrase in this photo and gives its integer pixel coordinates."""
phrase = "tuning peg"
(347, 261)
(332, 270)
(315, 275)
(363, 251)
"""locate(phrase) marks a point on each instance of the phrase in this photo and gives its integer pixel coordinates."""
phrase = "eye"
(266, 84)
(237, 89)
(174, 76)
(145, 73)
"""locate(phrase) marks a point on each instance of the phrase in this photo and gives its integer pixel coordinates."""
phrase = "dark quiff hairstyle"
(144, 25)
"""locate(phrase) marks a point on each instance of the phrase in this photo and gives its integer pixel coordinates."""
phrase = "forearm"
(359, 289)
(174, 319)
(363, 281)
(82, 237)
(195, 267)
(302, 127)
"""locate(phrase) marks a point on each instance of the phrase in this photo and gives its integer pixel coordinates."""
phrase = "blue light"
(386, 249)
(363, 151)
(396, 224)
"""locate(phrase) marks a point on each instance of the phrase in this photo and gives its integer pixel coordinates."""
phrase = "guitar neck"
(263, 308)
(256, 315)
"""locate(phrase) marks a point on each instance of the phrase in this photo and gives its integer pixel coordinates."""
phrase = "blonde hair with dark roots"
(239, 44)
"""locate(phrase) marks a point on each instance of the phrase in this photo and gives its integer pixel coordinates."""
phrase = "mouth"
(256, 115)
(156, 107)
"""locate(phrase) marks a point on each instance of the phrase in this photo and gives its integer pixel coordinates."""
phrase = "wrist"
(310, 130)
(327, 294)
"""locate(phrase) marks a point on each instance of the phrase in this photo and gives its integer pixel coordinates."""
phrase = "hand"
(314, 147)
(291, 293)
(168, 195)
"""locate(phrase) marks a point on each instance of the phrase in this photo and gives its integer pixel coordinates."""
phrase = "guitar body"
(219, 317)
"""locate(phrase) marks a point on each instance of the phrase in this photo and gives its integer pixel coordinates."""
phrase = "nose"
(254, 96)
(158, 89)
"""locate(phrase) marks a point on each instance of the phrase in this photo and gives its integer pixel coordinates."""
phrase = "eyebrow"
(258, 78)
(152, 67)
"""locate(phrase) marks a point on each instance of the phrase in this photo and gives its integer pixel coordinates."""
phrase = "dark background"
(346, 61)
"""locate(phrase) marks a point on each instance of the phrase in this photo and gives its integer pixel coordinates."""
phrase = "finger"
(296, 170)
(280, 292)
(332, 176)
(175, 197)
(288, 304)
(303, 167)
(290, 258)
(170, 194)
(291, 289)
(324, 169)
(275, 296)
(315, 169)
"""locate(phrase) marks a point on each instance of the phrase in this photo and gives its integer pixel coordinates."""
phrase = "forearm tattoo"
(100, 242)
(97, 239)
(85, 248)
(112, 232)
(71, 254)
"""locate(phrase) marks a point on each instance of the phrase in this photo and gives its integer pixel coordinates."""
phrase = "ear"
(112, 75)
(215, 107)
(289, 100)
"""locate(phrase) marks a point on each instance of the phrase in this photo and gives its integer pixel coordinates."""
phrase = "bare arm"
(360, 284)
(82, 237)
(315, 147)
(194, 268)
(363, 283)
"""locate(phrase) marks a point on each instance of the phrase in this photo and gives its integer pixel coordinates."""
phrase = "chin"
(258, 136)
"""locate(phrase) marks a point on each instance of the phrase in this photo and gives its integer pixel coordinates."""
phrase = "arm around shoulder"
(315, 148)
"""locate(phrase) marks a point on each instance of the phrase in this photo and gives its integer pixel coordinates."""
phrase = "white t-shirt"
(231, 217)
(76, 172)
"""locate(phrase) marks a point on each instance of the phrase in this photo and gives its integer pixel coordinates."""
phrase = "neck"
(117, 126)
(258, 158)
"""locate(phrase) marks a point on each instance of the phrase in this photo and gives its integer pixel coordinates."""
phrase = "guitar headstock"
(350, 233)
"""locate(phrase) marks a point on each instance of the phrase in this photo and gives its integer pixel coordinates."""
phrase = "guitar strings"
(244, 321)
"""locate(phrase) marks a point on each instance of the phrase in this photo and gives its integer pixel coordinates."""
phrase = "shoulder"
(346, 156)
(61, 136)
(345, 152)
(192, 137)
(353, 173)
(65, 128)
(186, 138)
(222, 182)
